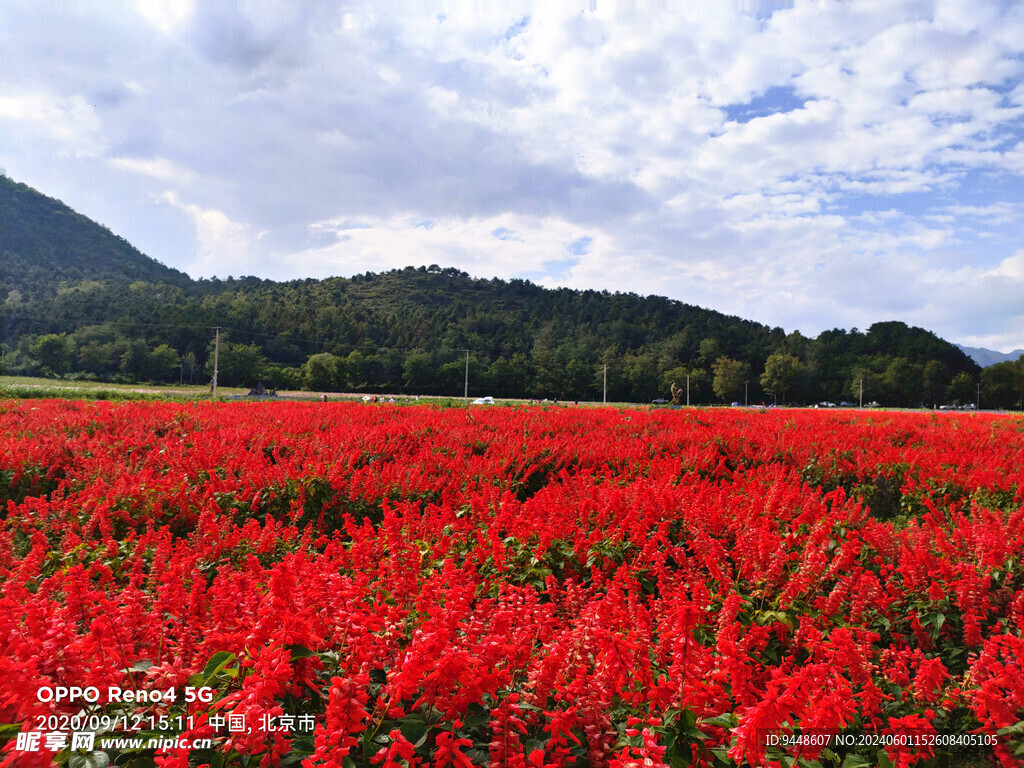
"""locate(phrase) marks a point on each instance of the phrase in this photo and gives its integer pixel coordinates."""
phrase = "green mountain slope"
(44, 244)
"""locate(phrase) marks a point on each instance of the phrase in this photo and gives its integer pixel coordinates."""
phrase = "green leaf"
(725, 720)
(722, 753)
(1015, 728)
(780, 756)
(855, 761)
(90, 760)
(300, 652)
(475, 718)
(413, 729)
(828, 754)
(9, 730)
(774, 616)
(214, 666)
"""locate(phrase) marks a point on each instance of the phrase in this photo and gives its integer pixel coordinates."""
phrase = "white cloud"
(167, 15)
(994, 214)
(70, 122)
(506, 245)
(224, 247)
(806, 168)
(156, 168)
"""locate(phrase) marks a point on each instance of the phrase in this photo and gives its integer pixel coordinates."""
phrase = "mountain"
(986, 357)
(77, 300)
(44, 243)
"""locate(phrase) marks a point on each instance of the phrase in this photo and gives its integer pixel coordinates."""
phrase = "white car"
(483, 401)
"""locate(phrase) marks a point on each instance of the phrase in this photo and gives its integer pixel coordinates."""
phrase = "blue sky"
(807, 165)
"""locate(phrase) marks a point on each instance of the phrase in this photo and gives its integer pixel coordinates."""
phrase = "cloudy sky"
(808, 165)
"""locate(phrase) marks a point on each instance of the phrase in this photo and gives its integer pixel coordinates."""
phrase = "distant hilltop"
(986, 357)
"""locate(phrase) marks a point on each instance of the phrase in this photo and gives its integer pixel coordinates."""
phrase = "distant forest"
(78, 301)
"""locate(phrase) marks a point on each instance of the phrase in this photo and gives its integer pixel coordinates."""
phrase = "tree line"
(407, 331)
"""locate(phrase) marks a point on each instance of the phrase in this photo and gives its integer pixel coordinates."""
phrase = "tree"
(321, 372)
(135, 359)
(550, 356)
(904, 381)
(795, 345)
(354, 369)
(782, 372)
(510, 377)
(418, 371)
(865, 385)
(730, 376)
(162, 364)
(452, 377)
(188, 362)
(98, 358)
(1002, 384)
(239, 364)
(53, 351)
(961, 389)
(709, 351)
(936, 379)
(640, 371)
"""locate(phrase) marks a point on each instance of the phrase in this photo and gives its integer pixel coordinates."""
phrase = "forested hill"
(44, 245)
(76, 300)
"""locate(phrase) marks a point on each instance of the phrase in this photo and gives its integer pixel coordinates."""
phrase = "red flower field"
(302, 584)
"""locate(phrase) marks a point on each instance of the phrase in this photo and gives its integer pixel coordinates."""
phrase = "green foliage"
(782, 374)
(935, 376)
(961, 389)
(904, 381)
(322, 372)
(730, 376)
(237, 364)
(53, 353)
(1002, 384)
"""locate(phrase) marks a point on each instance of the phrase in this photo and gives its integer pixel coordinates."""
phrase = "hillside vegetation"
(78, 301)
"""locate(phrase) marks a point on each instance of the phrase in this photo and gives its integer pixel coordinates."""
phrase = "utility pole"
(861, 382)
(604, 393)
(977, 400)
(216, 360)
(465, 393)
(746, 393)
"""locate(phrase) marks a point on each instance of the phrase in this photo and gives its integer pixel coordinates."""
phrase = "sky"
(809, 165)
